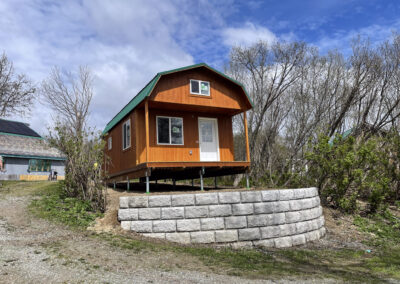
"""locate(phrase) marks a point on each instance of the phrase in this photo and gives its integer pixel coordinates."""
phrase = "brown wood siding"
(175, 88)
(181, 153)
(121, 159)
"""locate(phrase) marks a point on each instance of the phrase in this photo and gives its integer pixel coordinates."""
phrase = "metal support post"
(215, 182)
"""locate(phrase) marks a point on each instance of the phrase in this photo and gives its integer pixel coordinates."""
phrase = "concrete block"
(126, 225)
(312, 225)
(284, 242)
(281, 206)
(270, 232)
(287, 230)
(320, 222)
(211, 224)
(188, 225)
(182, 238)
(155, 235)
(299, 193)
(226, 236)
(259, 220)
(298, 240)
(172, 213)
(307, 203)
(302, 227)
(293, 217)
(250, 196)
(202, 237)
(264, 243)
(278, 219)
(138, 201)
(310, 192)
(249, 234)
(322, 232)
(196, 211)
(219, 210)
(270, 195)
(242, 209)
(142, 226)
(229, 197)
(296, 205)
(124, 202)
(307, 214)
(235, 222)
(159, 200)
(206, 198)
(264, 208)
(128, 214)
(241, 245)
(312, 236)
(164, 226)
(182, 200)
(286, 194)
(149, 213)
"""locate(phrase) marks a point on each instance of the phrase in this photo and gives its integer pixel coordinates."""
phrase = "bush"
(346, 170)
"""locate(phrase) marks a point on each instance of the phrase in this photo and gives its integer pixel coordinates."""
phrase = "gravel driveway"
(35, 251)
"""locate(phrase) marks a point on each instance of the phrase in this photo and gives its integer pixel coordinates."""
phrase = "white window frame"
(110, 143)
(169, 127)
(128, 145)
(199, 93)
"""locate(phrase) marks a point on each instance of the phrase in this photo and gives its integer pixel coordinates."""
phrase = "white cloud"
(124, 43)
(341, 40)
(247, 35)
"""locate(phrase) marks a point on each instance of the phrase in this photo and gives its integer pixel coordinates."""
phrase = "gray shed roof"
(27, 147)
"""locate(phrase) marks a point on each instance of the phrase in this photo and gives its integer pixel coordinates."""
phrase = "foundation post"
(215, 182)
(201, 179)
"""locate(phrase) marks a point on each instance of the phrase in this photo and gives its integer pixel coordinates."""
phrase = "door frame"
(216, 135)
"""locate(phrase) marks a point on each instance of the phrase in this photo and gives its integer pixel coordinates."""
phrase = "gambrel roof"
(146, 91)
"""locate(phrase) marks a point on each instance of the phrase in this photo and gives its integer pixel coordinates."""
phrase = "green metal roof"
(34, 157)
(146, 91)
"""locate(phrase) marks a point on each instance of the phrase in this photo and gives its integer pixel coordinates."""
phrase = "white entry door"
(208, 139)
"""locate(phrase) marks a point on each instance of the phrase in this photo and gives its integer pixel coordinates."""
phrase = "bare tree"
(16, 91)
(70, 98)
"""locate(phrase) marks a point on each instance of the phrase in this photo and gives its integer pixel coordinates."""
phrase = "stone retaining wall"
(268, 218)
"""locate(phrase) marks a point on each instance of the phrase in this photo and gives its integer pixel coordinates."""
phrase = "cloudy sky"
(125, 43)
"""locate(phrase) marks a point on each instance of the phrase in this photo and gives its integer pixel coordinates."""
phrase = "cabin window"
(169, 130)
(198, 87)
(109, 143)
(36, 165)
(126, 134)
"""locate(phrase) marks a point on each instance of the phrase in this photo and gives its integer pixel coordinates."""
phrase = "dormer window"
(198, 87)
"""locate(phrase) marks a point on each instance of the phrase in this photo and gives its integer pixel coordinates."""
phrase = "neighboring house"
(25, 155)
(178, 126)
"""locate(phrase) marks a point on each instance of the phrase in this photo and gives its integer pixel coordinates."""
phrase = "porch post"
(201, 179)
(247, 180)
(246, 133)
(146, 113)
(147, 184)
(215, 182)
(128, 184)
(114, 184)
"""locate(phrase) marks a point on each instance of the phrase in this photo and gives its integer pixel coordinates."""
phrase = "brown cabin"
(179, 126)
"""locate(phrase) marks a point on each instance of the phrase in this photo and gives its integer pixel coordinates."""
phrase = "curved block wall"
(268, 218)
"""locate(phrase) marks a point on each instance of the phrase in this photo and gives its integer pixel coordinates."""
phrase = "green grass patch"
(53, 204)
(345, 265)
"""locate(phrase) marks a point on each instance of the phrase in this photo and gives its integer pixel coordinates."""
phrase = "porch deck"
(180, 170)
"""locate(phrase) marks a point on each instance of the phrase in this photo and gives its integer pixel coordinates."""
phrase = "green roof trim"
(13, 134)
(34, 157)
(146, 91)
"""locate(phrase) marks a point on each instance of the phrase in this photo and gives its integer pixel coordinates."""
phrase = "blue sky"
(125, 43)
